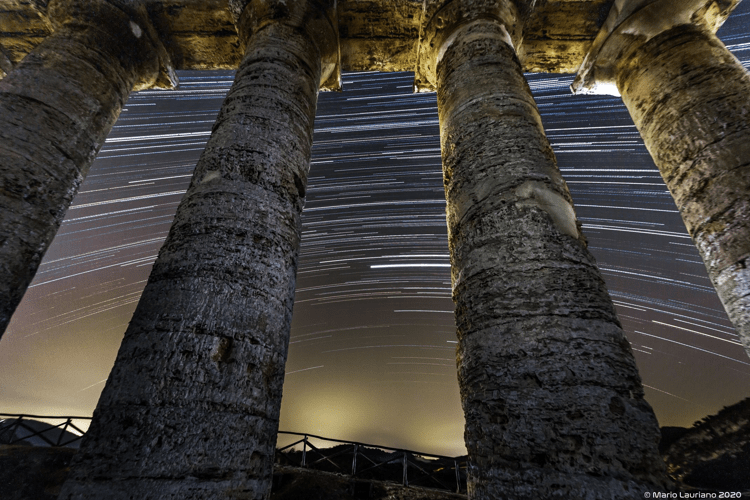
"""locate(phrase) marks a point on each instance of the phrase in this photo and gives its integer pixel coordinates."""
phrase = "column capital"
(632, 23)
(443, 19)
(317, 17)
(156, 68)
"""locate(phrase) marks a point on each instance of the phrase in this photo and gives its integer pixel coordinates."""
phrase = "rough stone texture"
(442, 20)
(23, 26)
(376, 35)
(556, 35)
(552, 398)
(316, 17)
(56, 109)
(199, 34)
(191, 408)
(688, 96)
(641, 20)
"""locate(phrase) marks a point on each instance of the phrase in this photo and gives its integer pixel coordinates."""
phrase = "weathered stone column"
(690, 100)
(191, 408)
(551, 394)
(56, 109)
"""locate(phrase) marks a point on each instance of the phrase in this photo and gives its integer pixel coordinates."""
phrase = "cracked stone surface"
(191, 407)
(376, 35)
(688, 96)
(552, 397)
(56, 109)
(630, 21)
(553, 401)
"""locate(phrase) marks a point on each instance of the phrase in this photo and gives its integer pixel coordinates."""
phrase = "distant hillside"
(34, 472)
(713, 454)
(33, 432)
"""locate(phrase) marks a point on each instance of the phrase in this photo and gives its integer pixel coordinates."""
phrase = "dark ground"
(713, 455)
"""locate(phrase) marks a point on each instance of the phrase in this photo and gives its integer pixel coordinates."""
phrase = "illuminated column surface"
(553, 401)
(56, 109)
(690, 100)
(191, 408)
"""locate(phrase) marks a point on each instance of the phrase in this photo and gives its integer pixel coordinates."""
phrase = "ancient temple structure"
(552, 398)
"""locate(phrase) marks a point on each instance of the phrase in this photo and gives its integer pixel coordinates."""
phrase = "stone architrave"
(690, 100)
(191, 408)
(553, 401)
(56, 109)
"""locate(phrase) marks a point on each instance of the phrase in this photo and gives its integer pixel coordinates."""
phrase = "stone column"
(553, 401)
(191, 408)
(56, 109)
(690, 100)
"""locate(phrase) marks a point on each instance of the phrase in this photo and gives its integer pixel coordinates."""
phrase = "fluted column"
(56, 109)
(553, 401)
(690, 100)
(191, 408)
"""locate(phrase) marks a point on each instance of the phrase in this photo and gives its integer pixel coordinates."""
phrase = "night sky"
(372, 354)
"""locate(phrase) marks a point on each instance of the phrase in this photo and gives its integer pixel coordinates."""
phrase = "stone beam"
(553, 401)
(199, 34)
(375, 35)
(23, 26)
(557, 34)
(379, 35)
(689, 97)
(551, 37)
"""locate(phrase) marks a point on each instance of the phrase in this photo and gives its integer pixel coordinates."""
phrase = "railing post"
(62, 432)
(13, 436)
(18, 422)
(406, 479)
(458, 477)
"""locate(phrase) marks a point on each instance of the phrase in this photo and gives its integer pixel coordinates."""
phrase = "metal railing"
(63, 434)
(433, 471)
(360, 460)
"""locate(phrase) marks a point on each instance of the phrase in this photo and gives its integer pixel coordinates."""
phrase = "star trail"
(372, 352)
